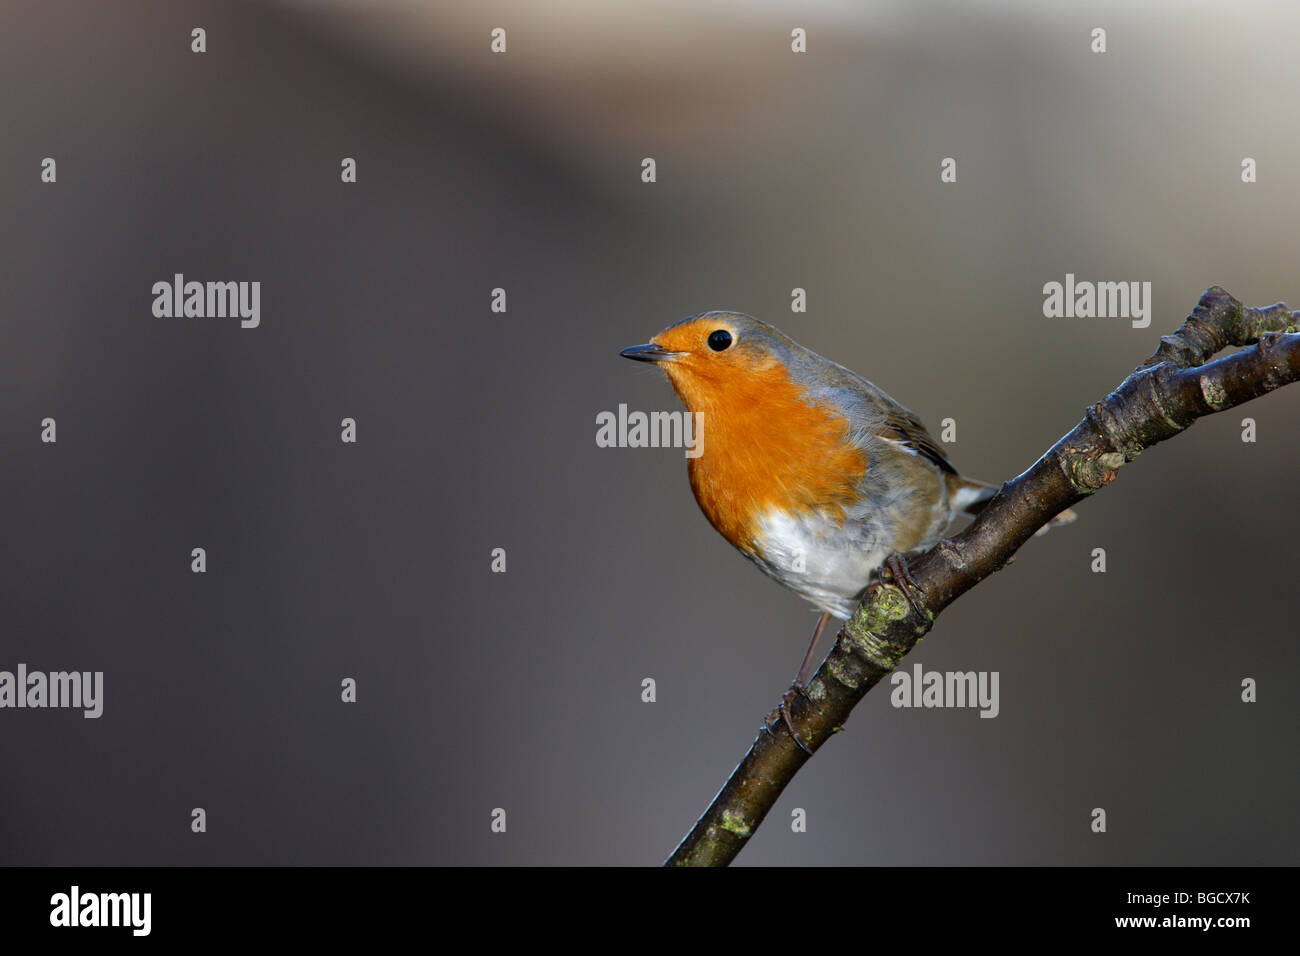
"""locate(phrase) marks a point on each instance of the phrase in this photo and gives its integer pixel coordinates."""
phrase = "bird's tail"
(969, 497)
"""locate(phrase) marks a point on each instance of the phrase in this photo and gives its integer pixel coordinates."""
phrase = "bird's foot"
(782, 710)
(895, 568)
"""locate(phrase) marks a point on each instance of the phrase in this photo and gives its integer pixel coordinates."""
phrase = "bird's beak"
(648, 353)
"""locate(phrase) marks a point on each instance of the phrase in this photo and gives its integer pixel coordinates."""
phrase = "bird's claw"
(896, 566)
(783, 711)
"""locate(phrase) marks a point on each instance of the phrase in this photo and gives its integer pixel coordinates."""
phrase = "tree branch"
(1163, 396)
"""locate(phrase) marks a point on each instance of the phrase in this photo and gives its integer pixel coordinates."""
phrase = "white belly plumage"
(830, 564)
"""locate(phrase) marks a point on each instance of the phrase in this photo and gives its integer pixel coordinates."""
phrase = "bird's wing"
(877, 416)
(903, 428)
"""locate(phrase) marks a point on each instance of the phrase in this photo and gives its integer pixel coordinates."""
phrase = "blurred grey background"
(477, 430)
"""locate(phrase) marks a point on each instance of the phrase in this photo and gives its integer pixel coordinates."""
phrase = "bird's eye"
(719, 340)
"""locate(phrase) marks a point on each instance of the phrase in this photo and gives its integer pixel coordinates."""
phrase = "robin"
(809, 470)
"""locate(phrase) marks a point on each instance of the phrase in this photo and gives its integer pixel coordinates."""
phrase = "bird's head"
(716, 357)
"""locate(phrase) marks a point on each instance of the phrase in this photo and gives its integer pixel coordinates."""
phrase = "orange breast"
(765, 447)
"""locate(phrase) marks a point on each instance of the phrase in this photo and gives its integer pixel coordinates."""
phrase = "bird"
(810, 471)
